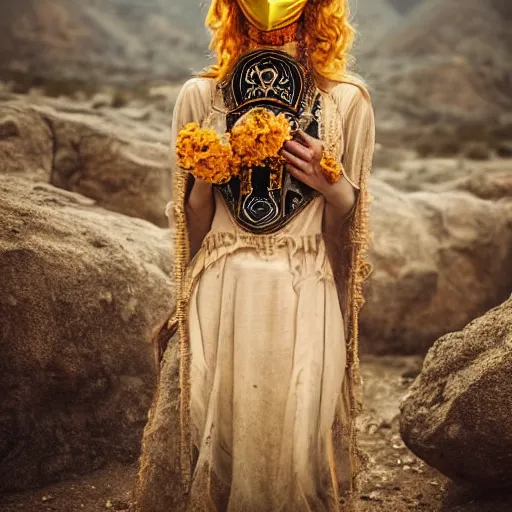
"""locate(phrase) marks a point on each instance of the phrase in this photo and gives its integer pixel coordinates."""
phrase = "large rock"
(440, 259)
(497, 185)
(488, 180)
(82, 289)
(457, 414)
(89, 153)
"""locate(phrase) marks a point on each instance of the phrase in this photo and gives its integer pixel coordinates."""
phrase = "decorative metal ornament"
(264, 199)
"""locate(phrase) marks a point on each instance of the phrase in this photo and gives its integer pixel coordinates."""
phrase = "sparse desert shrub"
(434, 145)
(477, 151)
(437, 140)
(502, 130)
(504, 149)
(21, 87)
(56, 88)
(448, 147)
(120, 99)
(473, 131)
(425, 147)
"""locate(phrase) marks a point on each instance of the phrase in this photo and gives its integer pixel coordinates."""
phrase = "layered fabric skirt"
(268, 362)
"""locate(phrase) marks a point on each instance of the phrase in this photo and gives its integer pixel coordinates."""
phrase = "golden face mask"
(272, 14)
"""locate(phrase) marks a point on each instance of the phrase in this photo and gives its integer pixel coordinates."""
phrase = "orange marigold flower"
(330, 167)
(257, 136)
(204, 153)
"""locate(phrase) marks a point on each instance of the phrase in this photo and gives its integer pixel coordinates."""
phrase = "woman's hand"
(303, 162)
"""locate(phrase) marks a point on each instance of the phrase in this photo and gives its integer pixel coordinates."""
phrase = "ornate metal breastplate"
(262, 200)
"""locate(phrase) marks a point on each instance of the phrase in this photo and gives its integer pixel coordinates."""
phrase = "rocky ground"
(397, 480)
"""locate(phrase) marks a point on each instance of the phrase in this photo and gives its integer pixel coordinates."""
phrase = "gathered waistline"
(266, 245)
(218, 244)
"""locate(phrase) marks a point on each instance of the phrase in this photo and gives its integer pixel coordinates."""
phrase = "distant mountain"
(425, 60)
(130, 41)
(449, 59)
(113, 41)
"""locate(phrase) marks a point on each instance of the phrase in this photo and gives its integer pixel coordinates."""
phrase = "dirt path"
(397, 480)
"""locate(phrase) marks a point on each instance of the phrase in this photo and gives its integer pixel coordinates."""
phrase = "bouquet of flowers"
(255, 140)
(204, 153)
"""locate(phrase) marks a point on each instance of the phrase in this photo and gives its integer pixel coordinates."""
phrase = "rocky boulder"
(440, 259)
(488, 180)
(497, 185)
(82, 289)
(119, 163)
(457, 414)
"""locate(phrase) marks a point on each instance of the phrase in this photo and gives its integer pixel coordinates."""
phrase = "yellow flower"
(202, 152)
(330, 167)
(255, 140)
(258, 136)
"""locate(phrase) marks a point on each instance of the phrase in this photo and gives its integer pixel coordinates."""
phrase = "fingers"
(297, 173)
(296, 162)
(299, 150)
(309, 140)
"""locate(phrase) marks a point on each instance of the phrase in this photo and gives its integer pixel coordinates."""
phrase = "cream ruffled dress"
(267, 340)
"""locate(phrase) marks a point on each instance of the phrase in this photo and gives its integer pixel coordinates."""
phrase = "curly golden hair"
(327, 31)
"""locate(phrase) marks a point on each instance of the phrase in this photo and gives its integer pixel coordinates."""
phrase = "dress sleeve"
(358, 136)
(192, 104)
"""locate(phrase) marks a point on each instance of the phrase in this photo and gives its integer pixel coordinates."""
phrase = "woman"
(268, 273)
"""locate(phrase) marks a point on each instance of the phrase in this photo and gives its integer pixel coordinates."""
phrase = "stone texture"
(106, 156)
(488, 180)
(82, 288)
(497, 185)
(457, 414)
(440, 259)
